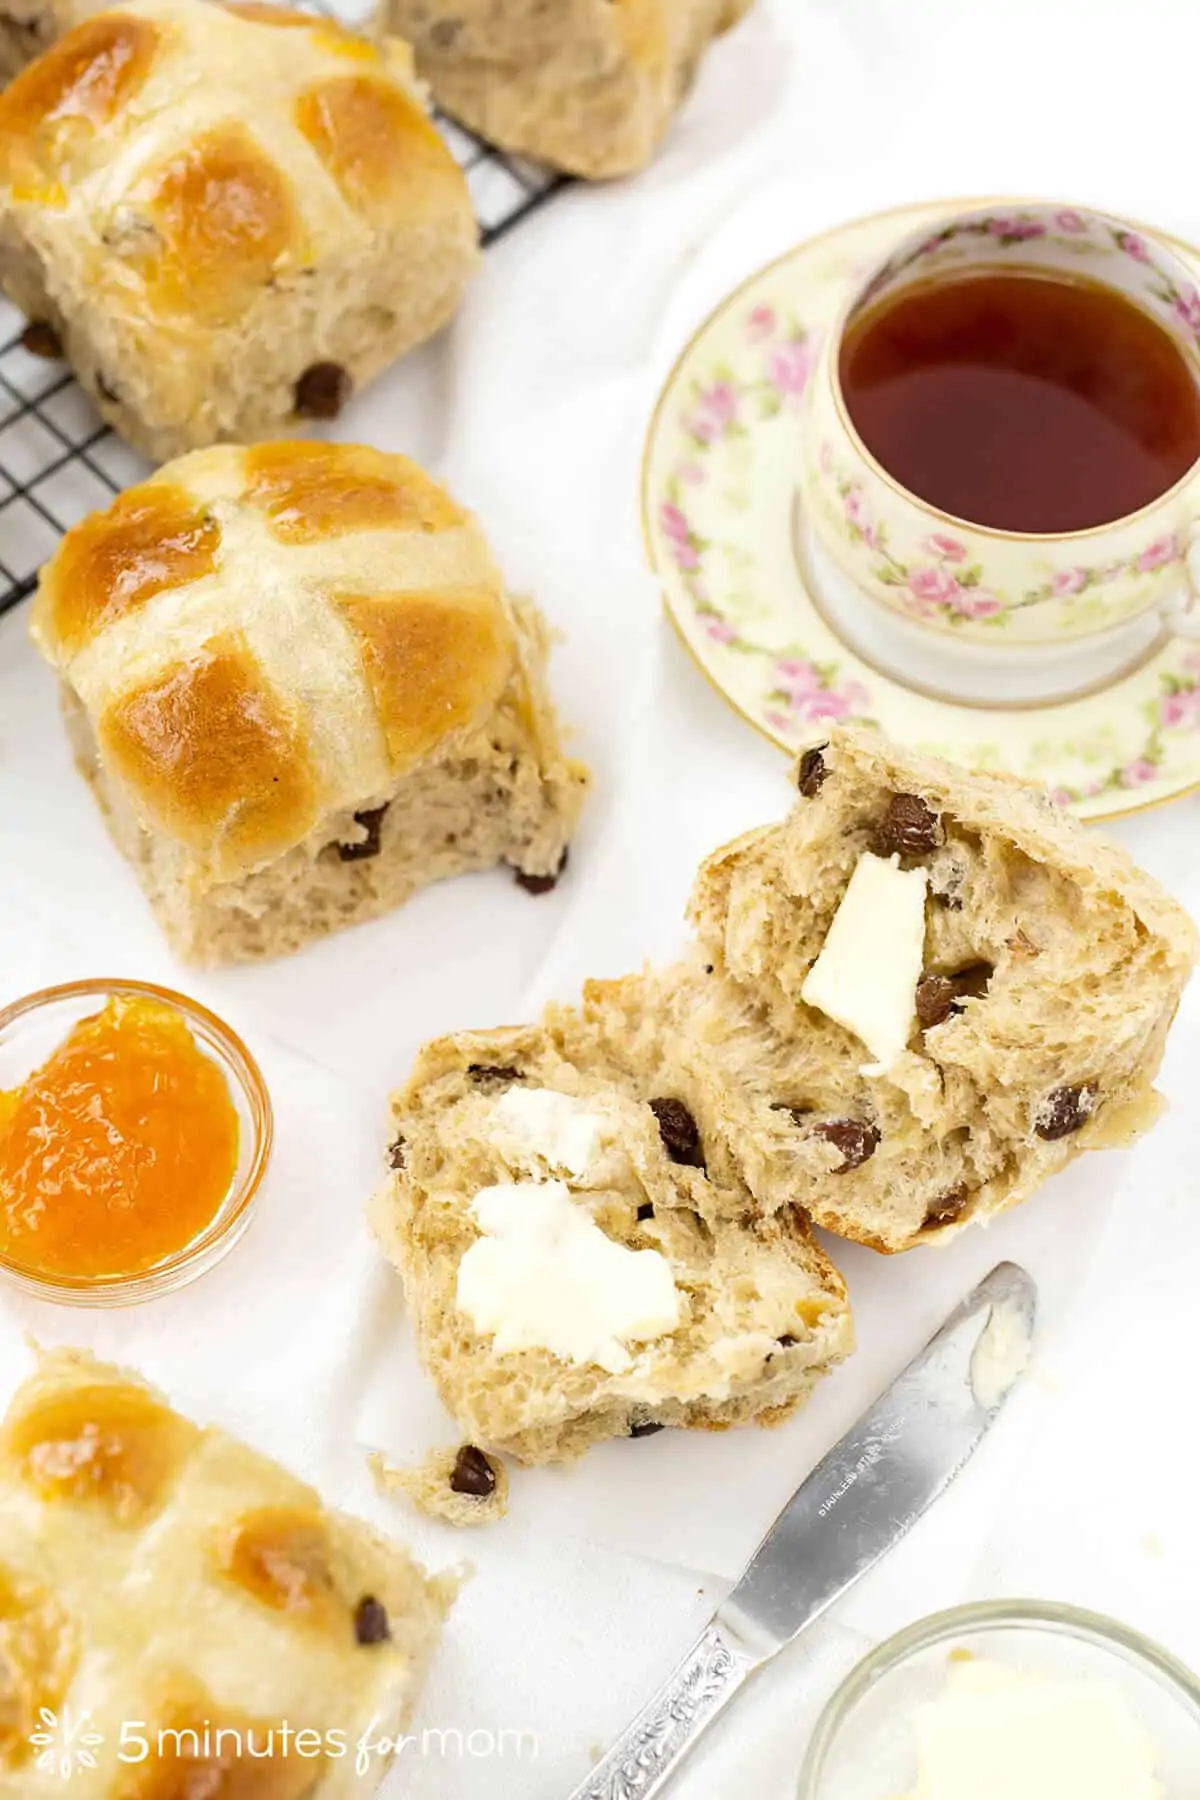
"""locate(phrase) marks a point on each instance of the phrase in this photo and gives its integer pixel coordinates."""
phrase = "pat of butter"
(545, 1277)
(1002, 1354)
(866, 975)
(997, 1733)
(536, 1127)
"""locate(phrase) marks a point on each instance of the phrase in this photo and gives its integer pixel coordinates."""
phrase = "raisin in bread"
(460, 1486)
(589, 86)
(300, 691)
(754, 1312)
(155, 1571)
(1050, 972)
(233, 216)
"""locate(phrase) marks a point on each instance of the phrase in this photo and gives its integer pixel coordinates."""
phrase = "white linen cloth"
(534, 409)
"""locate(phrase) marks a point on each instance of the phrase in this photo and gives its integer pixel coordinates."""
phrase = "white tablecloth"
(534, 408)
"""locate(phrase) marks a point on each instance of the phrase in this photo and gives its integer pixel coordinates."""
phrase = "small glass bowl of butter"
(1010, 1700)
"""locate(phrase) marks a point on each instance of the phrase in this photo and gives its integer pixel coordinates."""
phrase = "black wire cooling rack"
(59, 462)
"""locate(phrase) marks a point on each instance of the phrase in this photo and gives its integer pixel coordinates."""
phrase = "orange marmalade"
(119, 1150)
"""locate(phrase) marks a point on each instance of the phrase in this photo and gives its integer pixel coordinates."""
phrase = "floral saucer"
(720, 515)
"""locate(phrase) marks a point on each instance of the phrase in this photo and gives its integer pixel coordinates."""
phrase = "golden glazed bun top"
(202, 153)
(263, 637)
(153, 1570)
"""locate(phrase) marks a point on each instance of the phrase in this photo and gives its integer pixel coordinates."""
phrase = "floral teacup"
(1106, 593)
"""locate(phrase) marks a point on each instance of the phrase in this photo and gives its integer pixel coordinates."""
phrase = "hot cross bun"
(300, 691)
(233, 216)
(173, 1592)
(589, 86)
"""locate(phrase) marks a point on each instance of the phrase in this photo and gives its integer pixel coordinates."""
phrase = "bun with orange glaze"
(297, 683)
(160, 1571)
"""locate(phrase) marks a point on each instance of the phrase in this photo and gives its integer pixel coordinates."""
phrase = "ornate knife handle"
(641, 1761)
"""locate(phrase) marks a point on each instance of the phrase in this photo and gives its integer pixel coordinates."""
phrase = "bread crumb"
(427, 1485)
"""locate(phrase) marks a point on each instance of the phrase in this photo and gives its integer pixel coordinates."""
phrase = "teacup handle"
(1182, 610)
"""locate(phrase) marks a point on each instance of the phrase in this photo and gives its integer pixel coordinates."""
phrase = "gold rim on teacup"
(1008, 615)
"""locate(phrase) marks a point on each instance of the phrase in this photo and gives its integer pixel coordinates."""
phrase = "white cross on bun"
(300, 691)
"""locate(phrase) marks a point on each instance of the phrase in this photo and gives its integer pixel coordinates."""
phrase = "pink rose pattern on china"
(1015, 230)
(1179, 707)
(811, 694)
(1165, 553)
(933, 586)
(685, 547)
(729, 404)
(1083, 236)
(761, 323)
(1134, 246)
(1187, 305)
(949, 588)
(798, 692)
(948, 548)
(1176, 708)
(857, 517)
(801, 692)
(790, 367)
(1162, 551)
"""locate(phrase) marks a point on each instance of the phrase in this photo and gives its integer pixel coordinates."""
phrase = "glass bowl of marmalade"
(135, 1130)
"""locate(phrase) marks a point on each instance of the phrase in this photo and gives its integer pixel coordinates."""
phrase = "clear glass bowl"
(32, 1029)
(864, 1745)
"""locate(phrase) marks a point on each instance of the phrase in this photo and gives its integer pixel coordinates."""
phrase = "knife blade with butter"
(858, 1502)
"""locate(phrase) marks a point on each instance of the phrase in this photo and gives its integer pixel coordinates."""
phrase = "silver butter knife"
(858, 1502)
